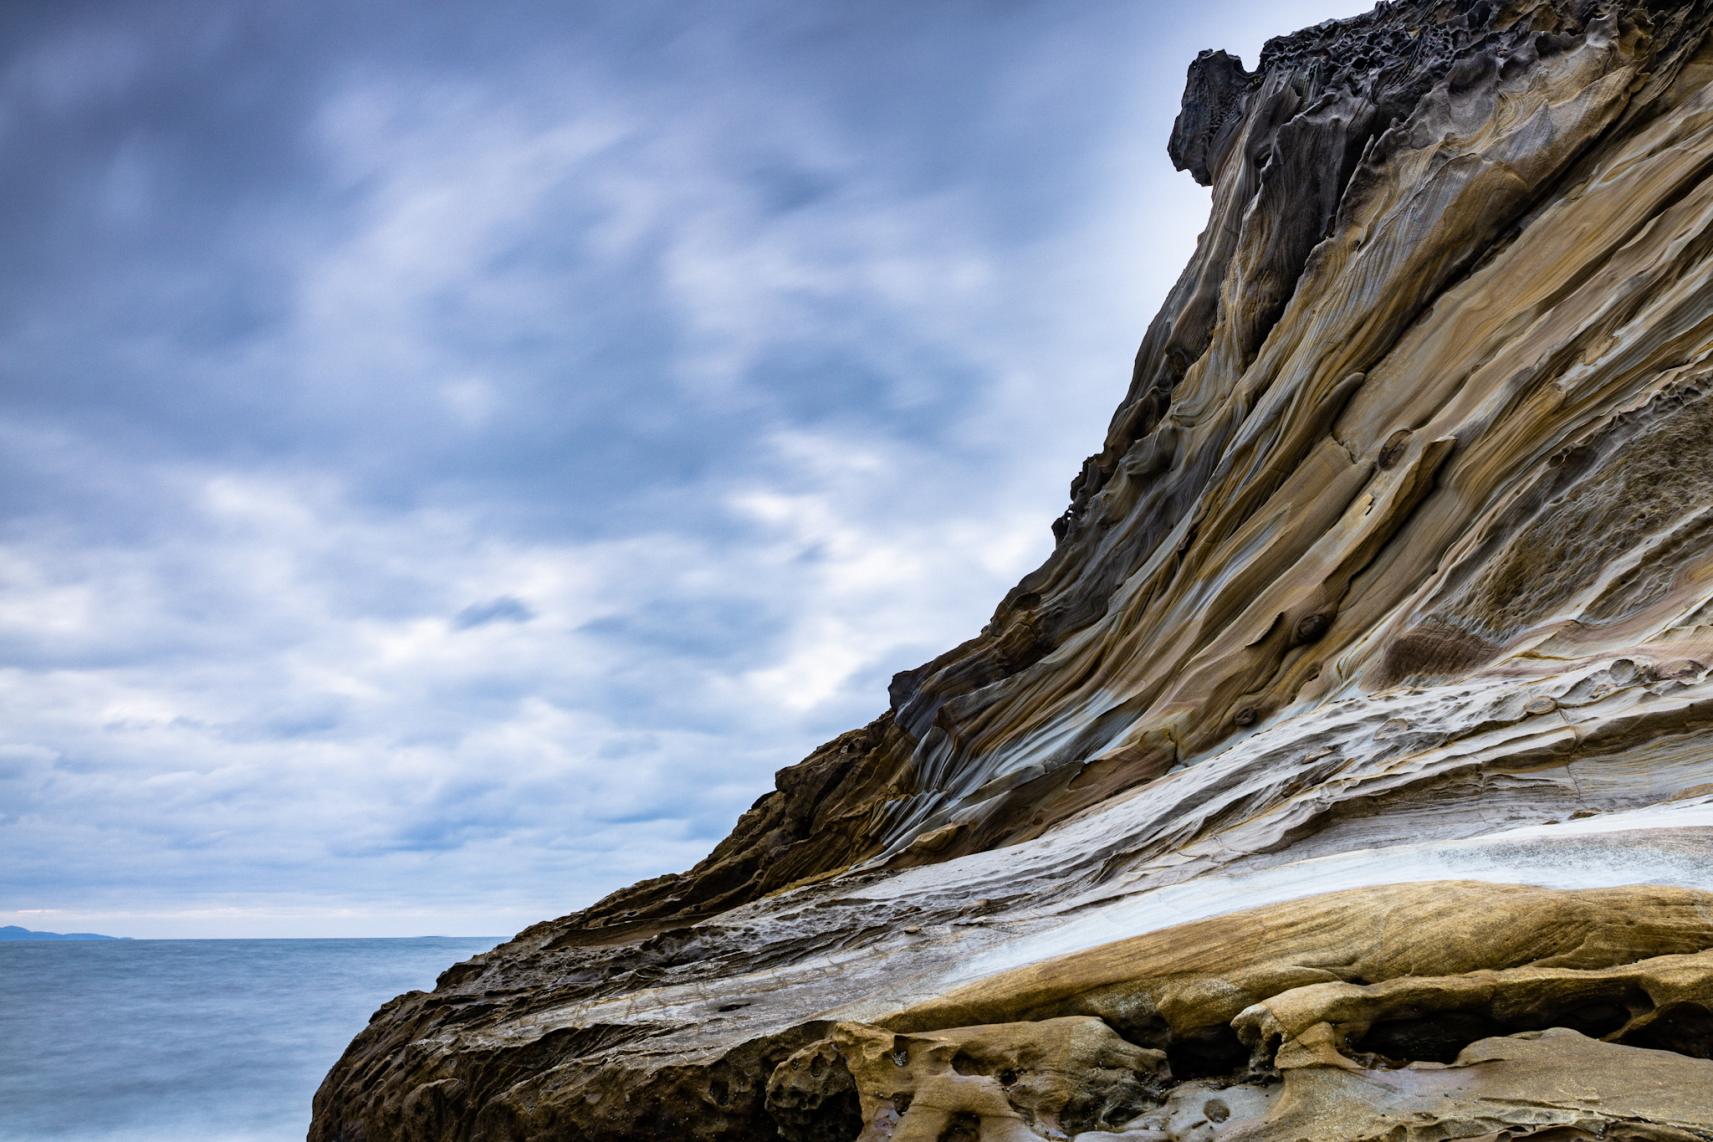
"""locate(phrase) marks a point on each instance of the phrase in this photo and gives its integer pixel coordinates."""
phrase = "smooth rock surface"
(1347, 770)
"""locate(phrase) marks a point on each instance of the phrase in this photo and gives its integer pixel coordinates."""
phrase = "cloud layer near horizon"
(451, 457)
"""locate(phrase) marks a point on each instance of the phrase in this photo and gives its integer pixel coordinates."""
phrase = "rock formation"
(1347, 770)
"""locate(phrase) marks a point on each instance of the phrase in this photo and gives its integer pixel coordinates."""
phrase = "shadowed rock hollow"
(1347, 770)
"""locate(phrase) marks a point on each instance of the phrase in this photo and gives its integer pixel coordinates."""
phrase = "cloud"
(448, 461)
(504, 609)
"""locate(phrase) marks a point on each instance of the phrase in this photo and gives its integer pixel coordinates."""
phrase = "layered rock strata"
(1347, 770)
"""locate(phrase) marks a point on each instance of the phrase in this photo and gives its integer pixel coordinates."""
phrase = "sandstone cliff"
(1347, 770)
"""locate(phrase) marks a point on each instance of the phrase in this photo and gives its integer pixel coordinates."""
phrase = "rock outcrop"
(1347, 770)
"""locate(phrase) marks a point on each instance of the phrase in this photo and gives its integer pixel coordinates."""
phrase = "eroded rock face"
(1345, 773)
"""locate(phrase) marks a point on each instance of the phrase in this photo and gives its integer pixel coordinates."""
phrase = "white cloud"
(748, 387)
(471, 400)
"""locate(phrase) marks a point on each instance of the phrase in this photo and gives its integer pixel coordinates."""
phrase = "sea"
(189, 1040)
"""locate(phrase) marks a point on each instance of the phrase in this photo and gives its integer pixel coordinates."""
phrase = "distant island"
(13, 932)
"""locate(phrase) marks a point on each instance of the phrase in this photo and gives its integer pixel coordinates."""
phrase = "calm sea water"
(189, 1040)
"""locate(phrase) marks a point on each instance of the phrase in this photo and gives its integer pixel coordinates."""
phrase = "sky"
(452, 455)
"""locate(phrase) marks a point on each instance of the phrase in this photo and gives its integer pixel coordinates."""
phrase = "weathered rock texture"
(1345, 773)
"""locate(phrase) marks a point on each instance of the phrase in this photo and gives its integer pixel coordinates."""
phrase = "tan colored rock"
(1554, 1084)
(1661, 1002)
(1014, 1081)
(1183, 987)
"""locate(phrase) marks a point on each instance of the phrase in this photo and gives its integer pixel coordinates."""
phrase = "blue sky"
(450, 458)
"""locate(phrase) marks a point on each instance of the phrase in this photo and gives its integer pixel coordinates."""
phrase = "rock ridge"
(1346, 772)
